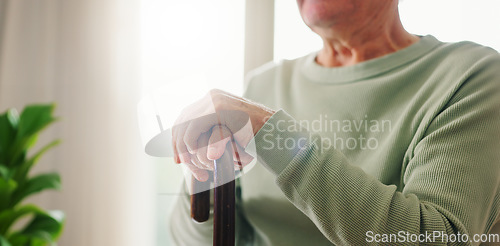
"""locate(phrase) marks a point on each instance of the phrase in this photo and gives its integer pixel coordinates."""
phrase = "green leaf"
(9, 216)
(35, 185)
(33, 119)
(7, 187)
(41, 242)
(4, 242)
(44, 229)
(25, 167)
(4, 172)
(18, 239)
(37, 239)
(8, 126)
(51, 223)
(13, 117)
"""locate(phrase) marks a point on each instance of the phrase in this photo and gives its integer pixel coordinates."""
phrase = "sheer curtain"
(84, 55)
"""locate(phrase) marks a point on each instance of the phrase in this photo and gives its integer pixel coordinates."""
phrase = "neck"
(369, 38)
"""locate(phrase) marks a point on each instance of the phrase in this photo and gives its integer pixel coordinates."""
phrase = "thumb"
(217, 142)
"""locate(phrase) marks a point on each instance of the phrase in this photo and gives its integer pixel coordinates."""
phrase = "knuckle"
(187, 139)
(217, 98)
(200, 153)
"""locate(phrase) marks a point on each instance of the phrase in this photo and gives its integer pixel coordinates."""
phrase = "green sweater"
(388, 149)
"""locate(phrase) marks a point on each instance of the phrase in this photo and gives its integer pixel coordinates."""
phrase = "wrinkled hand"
(203, 129)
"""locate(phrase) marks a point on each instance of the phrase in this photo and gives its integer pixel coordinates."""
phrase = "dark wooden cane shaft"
(224, 199)
(200, 201)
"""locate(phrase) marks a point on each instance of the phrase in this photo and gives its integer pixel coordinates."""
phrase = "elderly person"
(382, 136)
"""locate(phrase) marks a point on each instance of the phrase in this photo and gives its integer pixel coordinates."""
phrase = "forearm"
(345, 203)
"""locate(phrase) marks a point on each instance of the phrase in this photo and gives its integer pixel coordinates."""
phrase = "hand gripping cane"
(224, 192)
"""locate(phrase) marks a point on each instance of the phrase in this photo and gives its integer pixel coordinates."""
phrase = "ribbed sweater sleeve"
(450, 181)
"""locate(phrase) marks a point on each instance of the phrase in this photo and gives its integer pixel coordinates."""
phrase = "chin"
(319, 19)
(323, 13)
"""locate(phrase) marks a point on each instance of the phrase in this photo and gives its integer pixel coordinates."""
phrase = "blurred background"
(97, 58)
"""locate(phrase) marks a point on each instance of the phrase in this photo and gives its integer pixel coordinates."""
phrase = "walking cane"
(224, 200)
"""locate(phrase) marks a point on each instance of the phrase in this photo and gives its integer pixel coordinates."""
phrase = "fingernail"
(211, 152)
(203, 177)
(200, 177)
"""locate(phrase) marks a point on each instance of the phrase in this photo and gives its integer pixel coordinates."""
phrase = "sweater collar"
(369, 68)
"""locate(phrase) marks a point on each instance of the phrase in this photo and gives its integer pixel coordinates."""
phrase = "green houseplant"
(18, 134)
